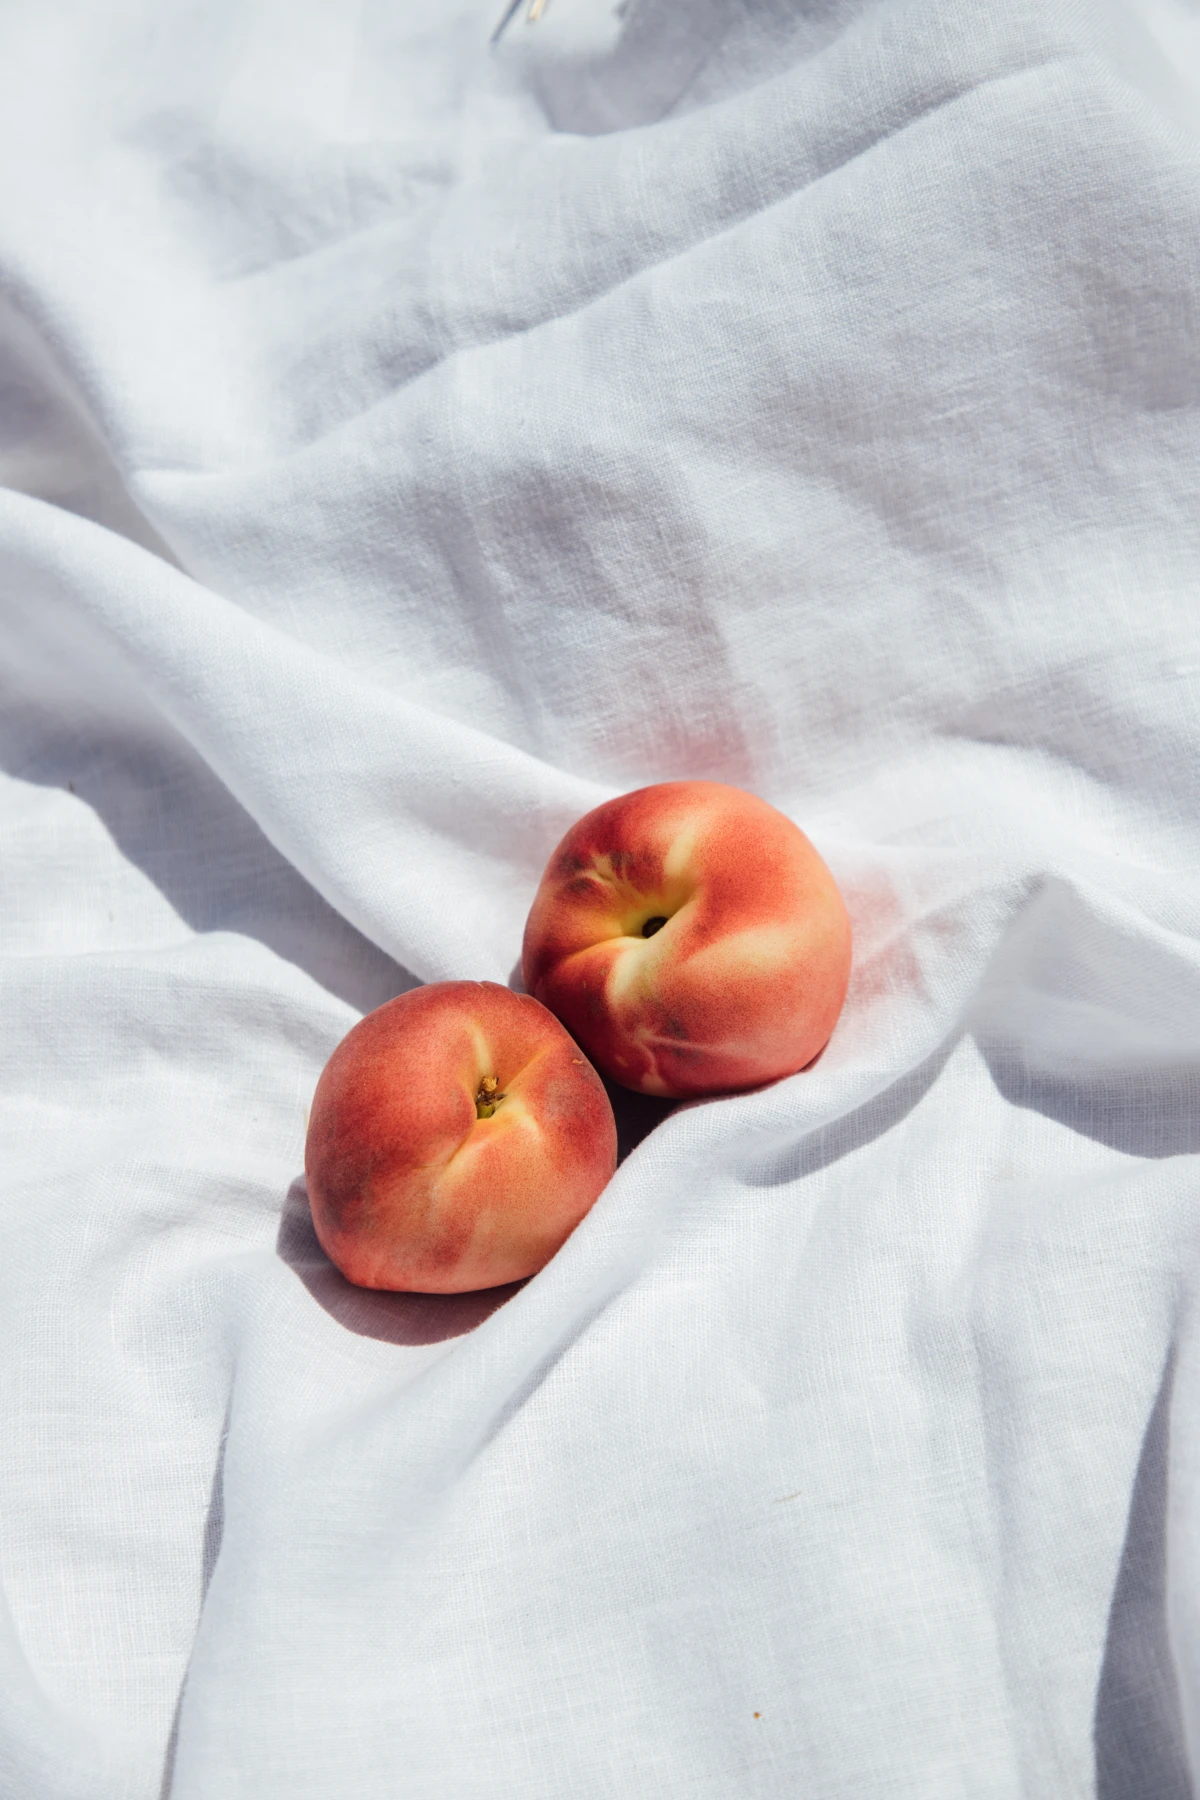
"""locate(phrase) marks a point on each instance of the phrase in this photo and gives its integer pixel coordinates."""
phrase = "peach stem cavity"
(487, 1099)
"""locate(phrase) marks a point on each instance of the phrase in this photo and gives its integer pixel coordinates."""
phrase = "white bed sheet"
(407, 443)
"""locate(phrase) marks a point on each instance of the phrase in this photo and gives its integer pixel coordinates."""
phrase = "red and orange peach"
(456, 1139)
(690, 937)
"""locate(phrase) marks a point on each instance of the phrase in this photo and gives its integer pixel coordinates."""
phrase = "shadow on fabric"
(1088, 1015)
(388, 1318)
(210, 1549)
(425, 1318)
(1137, 1730)
(1139, 1112)
(637, 1115)
(168, 816)
(819, 1149)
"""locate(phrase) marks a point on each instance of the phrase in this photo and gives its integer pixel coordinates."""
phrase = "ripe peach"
(457, 1137)
(691, 939)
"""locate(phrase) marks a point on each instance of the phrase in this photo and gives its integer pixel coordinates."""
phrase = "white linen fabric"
(408, 442)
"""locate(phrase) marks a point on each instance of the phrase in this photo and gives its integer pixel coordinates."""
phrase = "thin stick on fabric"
(536, 9)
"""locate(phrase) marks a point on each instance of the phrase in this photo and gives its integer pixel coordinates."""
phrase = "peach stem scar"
(487, 1099)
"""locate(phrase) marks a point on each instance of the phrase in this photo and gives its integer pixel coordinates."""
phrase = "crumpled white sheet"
(406, 444)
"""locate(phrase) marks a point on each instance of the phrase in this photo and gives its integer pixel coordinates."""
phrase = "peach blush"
(456, 1139)
(690, 937)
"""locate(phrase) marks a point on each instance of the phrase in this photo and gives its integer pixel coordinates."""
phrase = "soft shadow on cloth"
(389, 1318)
(1138, 1732)
(425, 1318)
(173, 821)
(214, 1530)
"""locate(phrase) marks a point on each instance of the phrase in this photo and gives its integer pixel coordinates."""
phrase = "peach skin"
(456, 1139)
(689, 936)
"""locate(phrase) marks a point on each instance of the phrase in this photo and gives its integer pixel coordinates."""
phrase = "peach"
(457, 1137)
(692, 940)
